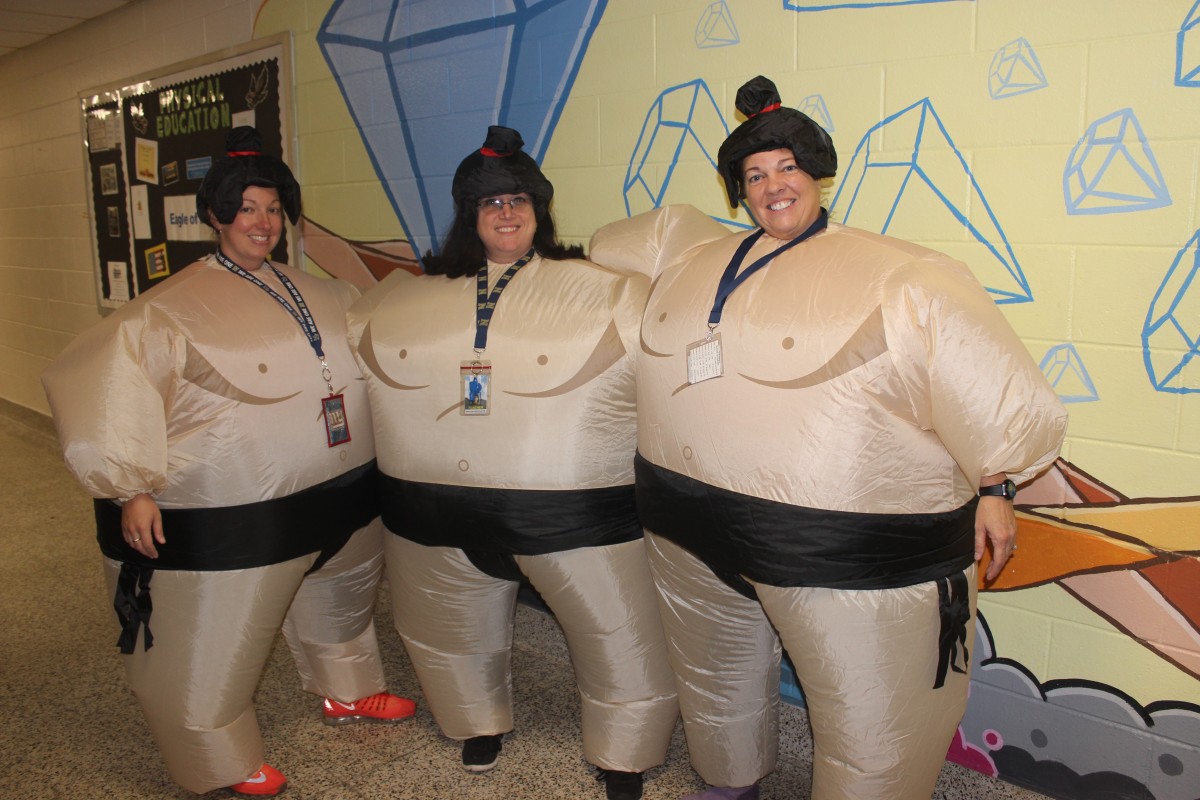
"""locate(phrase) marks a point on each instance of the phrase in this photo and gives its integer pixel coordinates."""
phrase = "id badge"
(704, 359)
(337, 428)
(475, 377)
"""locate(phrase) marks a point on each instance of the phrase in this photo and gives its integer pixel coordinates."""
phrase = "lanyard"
(485, 303)
(731, 280)
(303, 316)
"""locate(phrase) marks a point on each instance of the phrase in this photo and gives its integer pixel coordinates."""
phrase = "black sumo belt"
(319, 519)
(743, 539)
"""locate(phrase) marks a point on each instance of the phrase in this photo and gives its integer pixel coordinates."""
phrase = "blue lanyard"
(303, 316)
(731, 280)
(485, 303)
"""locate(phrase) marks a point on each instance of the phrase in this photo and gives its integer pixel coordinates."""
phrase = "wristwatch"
(1006, 489)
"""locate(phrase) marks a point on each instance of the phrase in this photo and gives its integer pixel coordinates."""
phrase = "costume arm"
(364, 308)
(632, 292)
(108, 394)
(651, 242)
(969, 377)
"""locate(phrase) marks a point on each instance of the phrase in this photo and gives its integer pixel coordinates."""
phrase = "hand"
(141, 525)
(995, 522)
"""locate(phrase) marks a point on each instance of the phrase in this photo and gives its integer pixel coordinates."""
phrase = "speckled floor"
(70, 728)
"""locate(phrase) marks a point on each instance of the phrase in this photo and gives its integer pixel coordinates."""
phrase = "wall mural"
(814, 106)
(683, 126)
(1135, 563)
(422, 80)
(1015, 70)
(716, 27)
(918, 194)
(1187, 49)
(1171, 335)
(1112, 169)
(1063, 367)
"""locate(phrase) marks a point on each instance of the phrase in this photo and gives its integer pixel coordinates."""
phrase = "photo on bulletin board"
(151, 139)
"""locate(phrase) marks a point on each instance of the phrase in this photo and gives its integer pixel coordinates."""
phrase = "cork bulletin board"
(148, 142)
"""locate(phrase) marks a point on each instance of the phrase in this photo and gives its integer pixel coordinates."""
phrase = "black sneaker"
(480, 753)
(620, 785)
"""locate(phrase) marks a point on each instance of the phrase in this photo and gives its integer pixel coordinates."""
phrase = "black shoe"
(620, 785)
(480, 753)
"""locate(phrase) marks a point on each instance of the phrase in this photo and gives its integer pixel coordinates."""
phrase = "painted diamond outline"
(854, 184)
(814, 106)
(1063, 365)
(1102, 146)
(1179, 286)
(670, 133)
(1187, 43)
(1015, 70)
(716, 27)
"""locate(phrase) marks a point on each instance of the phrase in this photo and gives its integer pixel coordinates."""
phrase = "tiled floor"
(72, 730)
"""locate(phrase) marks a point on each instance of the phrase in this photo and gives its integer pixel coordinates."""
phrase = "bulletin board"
(148, 142)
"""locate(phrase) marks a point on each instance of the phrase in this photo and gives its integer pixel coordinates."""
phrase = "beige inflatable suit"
(541, 486)
(821, 490)
(558, 441)
(206, 394)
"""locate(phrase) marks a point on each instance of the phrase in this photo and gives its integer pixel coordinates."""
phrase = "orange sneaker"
(267, 782)
(382, 707)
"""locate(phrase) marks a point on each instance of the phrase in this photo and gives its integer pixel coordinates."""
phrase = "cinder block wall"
(47, 287)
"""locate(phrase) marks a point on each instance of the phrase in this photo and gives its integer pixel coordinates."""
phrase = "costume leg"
(330, 627)
(867, 661)
(457, 625)
(726, 661)
(603, 597)
(213, 633)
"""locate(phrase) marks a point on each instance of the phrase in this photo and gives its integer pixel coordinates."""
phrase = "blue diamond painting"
(814, 106)
(1112, 170)
(716, 27)
(672, 161)
(912, 182)
(825, 5)
(1064, 369)
(1015, 70)
(1187, 49)
(1171, 334)
(424, 78)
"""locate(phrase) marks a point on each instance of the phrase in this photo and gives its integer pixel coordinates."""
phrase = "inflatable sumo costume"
(503, 397)
(228, 394)
(816, 414)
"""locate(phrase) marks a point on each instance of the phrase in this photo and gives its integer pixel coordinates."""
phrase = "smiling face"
(255, 230)
(783, 198)
(506, 230)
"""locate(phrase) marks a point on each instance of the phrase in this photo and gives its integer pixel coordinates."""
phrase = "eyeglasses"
(494, 204)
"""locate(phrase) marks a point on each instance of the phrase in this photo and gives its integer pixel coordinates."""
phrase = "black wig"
(770, 126)
(245, 164)
(499, 167)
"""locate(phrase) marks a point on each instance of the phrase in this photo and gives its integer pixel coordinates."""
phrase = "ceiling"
(23, 22)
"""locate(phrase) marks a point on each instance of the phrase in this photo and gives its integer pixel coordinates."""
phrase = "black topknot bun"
(244, 164)
(771, 126)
